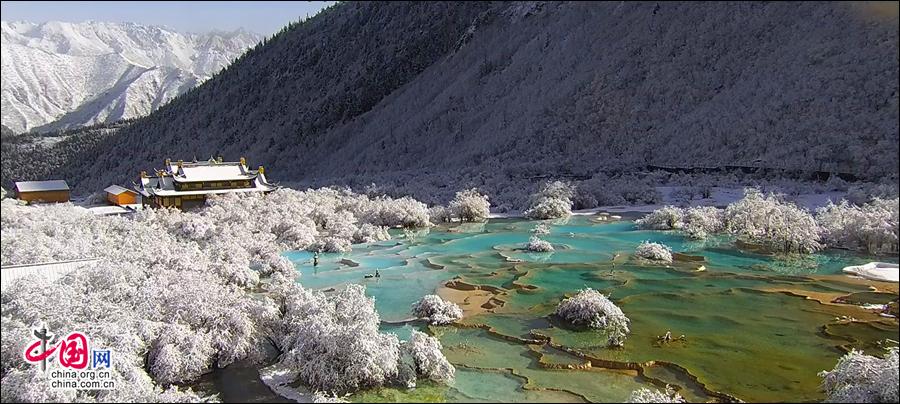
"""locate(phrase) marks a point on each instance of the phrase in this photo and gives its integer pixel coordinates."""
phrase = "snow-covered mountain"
(59, 75)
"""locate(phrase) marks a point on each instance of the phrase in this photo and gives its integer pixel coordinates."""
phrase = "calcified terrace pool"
(757, 327)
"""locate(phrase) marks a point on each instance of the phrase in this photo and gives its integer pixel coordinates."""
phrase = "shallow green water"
(744, 336)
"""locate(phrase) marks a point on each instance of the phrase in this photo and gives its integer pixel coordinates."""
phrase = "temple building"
(185, 185)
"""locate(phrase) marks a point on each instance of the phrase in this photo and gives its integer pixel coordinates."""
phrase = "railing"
(49, 271)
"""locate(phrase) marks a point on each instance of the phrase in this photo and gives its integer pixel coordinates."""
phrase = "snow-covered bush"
(541, 228)
(654, 251)
(684, 194)
(440, 214)
(592, 309)
(331, 245)
(553, 201)
(665, 218)
(535, 244)
(470, 206)
(863, 193)
(368, 233)
(402, 212)
(437, 310)
(872, 226)
(860, 378)
(702, 221)
(645, 395)
(768, 219)
(333, 342)
(427, 358)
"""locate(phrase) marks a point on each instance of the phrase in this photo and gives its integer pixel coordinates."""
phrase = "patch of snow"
(877, 271)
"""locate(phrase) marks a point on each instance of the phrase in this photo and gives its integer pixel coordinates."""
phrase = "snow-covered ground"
(878, 271)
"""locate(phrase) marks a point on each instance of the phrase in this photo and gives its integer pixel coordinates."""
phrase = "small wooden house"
(42, 191)
(121, 196)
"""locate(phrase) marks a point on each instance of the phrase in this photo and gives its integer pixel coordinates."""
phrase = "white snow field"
(877, 271)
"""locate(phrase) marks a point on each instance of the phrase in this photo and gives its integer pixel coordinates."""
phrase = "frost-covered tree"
(592, 309)
(402, 212)
(654, 251)
(645, 395)
(860, 378)
(470, 206)
(702, 221)
(665, 218)
(535, 244)
(784, 226)
(541, 228)
(369, 233)
(553, 201)
(427, 358)
(332, 344)
(437, 310)
(872, 226)
(440, 214)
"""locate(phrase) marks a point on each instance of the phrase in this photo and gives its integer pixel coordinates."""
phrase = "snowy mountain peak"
(72, 74)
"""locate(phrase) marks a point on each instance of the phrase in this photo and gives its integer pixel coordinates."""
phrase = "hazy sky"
(262, 17)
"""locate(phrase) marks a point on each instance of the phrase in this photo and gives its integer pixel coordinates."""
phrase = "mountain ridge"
(49, 68)
(495, 91)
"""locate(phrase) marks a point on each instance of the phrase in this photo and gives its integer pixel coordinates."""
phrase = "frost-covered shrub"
(331, 245)
(654, 251)
(440, 214)
(666, 218)
(333, 342)
(863, 193)
(591, 309)
(645, 395)
(437, 310)
(684, 194)
(583, 199)
(427, 358)
(872, 226)
(535, 244)
(702, 221)
(783, 226)
(369, 233)
(860, 378)
(553, 201)
(470, 206)
(402, 212)
(541, 228)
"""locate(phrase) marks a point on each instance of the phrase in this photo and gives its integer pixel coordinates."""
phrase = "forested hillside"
(440, 92)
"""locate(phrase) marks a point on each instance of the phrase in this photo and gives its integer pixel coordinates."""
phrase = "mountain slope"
(399, 90)
(52, 71)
